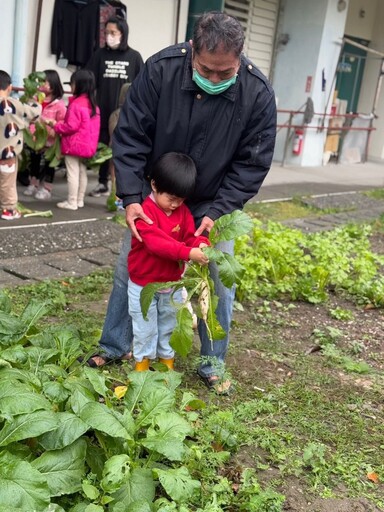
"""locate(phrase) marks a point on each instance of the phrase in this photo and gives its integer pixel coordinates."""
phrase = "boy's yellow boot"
(142, 366)
(168, 362)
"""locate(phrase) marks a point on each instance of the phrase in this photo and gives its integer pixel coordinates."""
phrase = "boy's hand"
(197, 255)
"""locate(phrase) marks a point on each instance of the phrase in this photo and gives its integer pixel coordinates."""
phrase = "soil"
(252, 369)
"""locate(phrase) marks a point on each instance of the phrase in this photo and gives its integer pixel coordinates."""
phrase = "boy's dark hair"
(175, 174)
(5, 80)
(122, 26)
(52, 77)
(83, 81)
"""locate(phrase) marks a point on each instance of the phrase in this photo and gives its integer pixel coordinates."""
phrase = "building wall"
(305, 67)
(370, 27)
(361, 15)
(152, 25)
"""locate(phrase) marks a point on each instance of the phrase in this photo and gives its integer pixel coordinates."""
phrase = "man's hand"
(206, 225)
(133, 212)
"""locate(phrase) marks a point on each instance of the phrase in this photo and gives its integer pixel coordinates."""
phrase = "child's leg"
(8, 189)
(83, 181)
(72, 164)
(35, 168)
(144, 331)
(48, 176)
(167, 322)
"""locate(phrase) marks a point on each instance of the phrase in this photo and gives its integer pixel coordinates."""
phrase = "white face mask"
(113, 41)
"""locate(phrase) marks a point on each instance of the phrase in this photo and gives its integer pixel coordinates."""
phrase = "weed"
(341, 314)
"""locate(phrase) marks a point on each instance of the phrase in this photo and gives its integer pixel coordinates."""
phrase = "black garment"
(40, 172)
(75, 30)
(112, 69)
(230, 136)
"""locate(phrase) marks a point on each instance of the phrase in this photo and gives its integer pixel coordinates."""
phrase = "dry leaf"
(373, 477)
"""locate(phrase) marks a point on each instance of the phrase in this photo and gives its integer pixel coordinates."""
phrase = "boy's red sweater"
(166, 245)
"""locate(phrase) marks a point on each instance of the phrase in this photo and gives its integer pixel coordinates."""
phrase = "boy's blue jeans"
(151, 336)
(116, 338)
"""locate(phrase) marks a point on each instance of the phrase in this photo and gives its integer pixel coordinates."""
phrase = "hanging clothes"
(109, 8)
(75, 30)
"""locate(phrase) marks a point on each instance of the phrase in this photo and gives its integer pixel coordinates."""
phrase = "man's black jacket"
(229, 136)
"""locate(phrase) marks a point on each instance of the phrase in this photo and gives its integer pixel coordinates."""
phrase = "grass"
(300, 417)
(278, 211)
(311, 426)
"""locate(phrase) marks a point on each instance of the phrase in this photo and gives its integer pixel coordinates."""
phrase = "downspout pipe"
(19, 35)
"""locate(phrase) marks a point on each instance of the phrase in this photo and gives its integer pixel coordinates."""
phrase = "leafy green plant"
(197, 282)
(327, 336)
(281, 263)
(341, 314)
(64, 431)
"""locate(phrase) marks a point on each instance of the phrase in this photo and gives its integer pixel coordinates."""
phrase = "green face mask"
(211, 88)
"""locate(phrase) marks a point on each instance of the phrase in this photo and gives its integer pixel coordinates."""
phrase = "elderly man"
(206, 99)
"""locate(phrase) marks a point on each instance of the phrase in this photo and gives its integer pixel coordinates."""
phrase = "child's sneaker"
(43, 194)
(10, 214)
(100, 190)
(30, 190)
(66, 205)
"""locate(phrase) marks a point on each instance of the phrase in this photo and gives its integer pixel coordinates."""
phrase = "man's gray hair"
(217, 29)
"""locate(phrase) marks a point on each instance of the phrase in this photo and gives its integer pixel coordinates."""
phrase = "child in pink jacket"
(79, 135)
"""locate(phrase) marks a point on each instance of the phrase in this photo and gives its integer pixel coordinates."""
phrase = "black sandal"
(216, 384)
(103, 360)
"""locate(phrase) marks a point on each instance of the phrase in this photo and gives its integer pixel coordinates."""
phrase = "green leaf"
(92, 508)
(148, 292)
(26, 426)
(55, 391)
(21, 485)
(109, 421)
(5, 303)
(63, 469)
(90, 491)
(140, 486)
(181, 339)
(116, 471)
(69, 429)
(17, 399)
(11, 329)
(167, 435)
(80, 396)
(16, 374)
(33, 311)
(97, 380)
(230, 226)
(230, 270)
(15, 354)
(159, 400)
(189, 400)
(142, 384)
(178, 483)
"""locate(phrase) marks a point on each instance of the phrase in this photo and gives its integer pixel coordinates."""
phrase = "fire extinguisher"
(298, 140)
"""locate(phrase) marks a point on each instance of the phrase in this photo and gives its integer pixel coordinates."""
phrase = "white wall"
(152, 24)
(151, 27)
(315, 29)
(370, 82)
(361, 18)
(7, 8)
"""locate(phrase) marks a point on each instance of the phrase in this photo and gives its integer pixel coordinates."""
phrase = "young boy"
(166, 244)
(14, 117)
